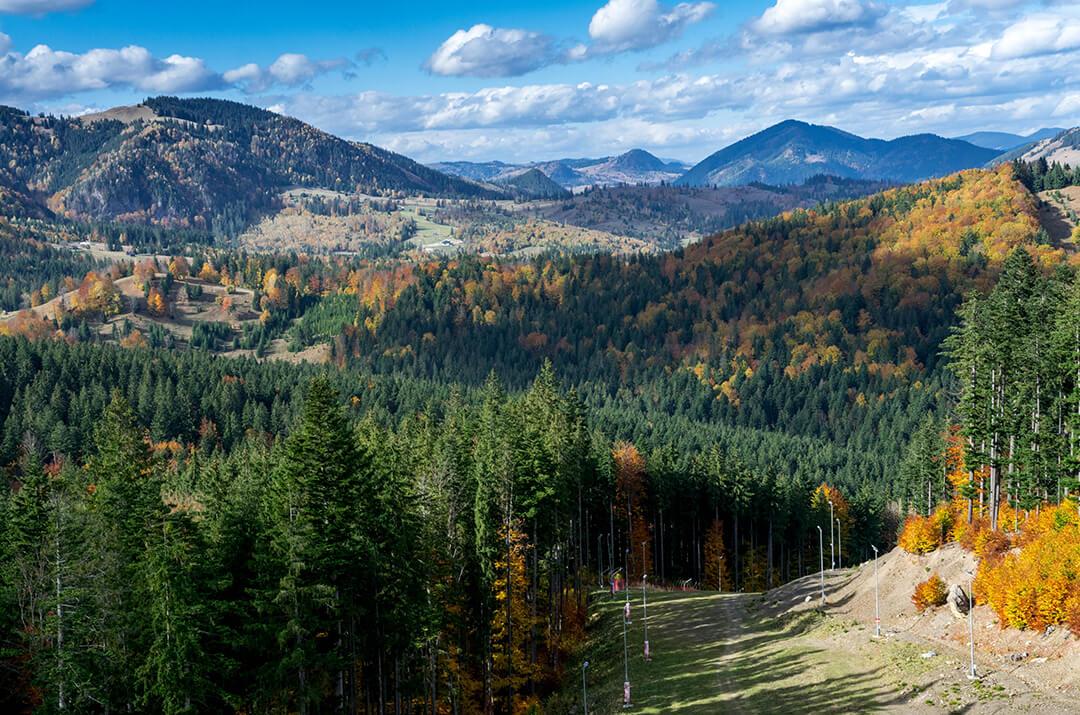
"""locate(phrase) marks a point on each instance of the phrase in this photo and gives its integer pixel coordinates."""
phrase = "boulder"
(958, 601)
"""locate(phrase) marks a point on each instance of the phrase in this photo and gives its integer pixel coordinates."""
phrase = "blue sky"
(521, 81)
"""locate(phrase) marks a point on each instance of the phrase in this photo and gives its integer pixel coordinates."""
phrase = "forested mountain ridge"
(792, 151)
(824, 323)
(202, 163)
(879, 276)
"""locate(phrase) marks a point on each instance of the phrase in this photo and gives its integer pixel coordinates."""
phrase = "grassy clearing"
(710, 655)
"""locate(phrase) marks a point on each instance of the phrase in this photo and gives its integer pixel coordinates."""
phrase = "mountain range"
(191, 163)
(793, 151)
(634, 167)
(1004, 141)
(786, 153)
(214, 165)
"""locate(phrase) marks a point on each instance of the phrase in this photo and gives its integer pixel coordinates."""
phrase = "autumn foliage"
(923, 534)
(1038, 584)
(931, 592)
(630, 495)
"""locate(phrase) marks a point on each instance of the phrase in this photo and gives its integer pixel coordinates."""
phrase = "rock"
(1039, 660)
(1018, 657)
(928, 654)
(808, 599)
(958, 601)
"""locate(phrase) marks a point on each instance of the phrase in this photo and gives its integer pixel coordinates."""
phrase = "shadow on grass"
(712, 655)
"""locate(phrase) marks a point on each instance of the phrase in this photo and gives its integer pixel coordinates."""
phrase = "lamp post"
(626, 657)
(720, 573)
(877, 614)
(626, 566)
(584, 690)
(832, 543)
(645, 615)
(600, 560)
(971, 622)
(821, 548)
(644, 600)
(839, 545)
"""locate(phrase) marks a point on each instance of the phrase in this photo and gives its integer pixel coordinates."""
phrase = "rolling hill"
(793, 151)
(201, 163)
(535, 184)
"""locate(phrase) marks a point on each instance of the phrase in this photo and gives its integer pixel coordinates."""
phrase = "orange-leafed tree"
(179, 268)
(144, 272)
(715, 568)
(819, 507)
(157, 302)
(208, 274)
(511, 624)
(630, 499)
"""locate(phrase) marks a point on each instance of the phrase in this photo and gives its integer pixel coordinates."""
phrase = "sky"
(527, 81)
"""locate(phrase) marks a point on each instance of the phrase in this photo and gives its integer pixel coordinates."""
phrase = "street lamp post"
(821, 548)
(877, 614)
(626, 659)
(600, 559)
(839, 545)
(832, 543)
(971, 622)
(626, 566)
(645, 615)
(644, 600)
(584, 690)
(720, 573)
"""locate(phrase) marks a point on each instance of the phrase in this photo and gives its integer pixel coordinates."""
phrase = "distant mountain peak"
(792, 151)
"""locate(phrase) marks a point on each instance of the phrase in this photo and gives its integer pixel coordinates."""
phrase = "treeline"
(421, 549)
(1016, 355)
(1039, 175)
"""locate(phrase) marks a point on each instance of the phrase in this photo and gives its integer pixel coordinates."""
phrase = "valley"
(303, 425)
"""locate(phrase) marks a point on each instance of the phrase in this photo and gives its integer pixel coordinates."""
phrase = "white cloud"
(486, 51)
(290, 70)
(795, 17)
(44, 72)
(40, 7)
(1038, 35)
(622, 25)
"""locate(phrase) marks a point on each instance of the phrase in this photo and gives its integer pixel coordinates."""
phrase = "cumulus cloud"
(40, 7)
(1039, 35)
(486, 51)
(794, 17)
(623, 25)
(289, 70)
(45, 72)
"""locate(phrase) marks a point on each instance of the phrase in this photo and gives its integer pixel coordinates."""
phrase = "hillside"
(202, 163)
(779, 651)
(673, 216)
(824, 325)
(793, 151)
(536, 185)
(1062, 148)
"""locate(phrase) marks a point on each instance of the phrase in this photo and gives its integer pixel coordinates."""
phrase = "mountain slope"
(793, 151)
(203, 163)
(535, 184)
(1062, 148)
